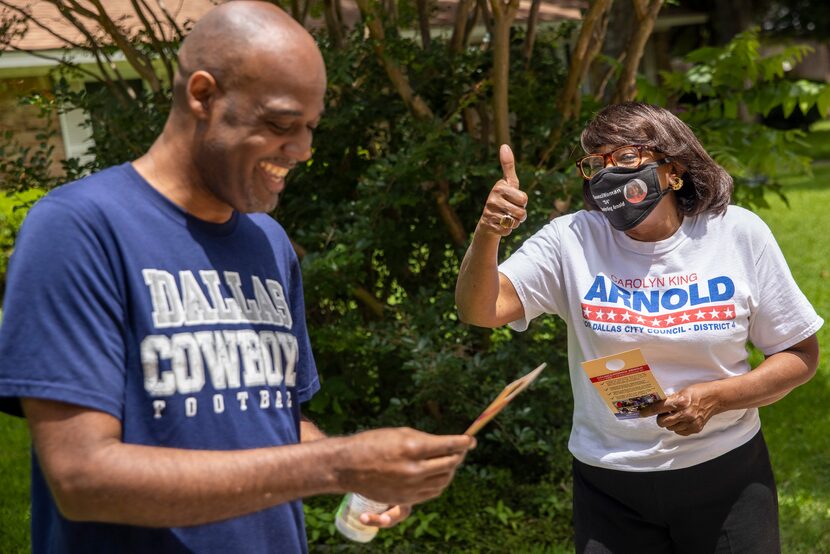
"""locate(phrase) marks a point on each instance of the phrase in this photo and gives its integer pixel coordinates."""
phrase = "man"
(154, 328)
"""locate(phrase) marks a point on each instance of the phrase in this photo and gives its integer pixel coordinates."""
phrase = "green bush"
(13, 209)
(724, 96)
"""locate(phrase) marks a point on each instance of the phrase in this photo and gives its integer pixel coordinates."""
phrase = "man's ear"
(201, 91)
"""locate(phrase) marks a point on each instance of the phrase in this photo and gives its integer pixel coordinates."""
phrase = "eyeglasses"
(624, 156)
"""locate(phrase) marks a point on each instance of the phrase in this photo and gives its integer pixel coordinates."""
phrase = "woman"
(689, 280)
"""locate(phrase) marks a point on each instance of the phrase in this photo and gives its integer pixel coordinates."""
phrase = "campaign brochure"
(625, 382)
(509, 392)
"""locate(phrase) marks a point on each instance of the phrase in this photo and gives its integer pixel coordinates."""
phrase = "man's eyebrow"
(273, 112)
(276, 112)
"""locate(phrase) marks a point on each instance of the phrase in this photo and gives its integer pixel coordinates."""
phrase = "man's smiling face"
(260, 126)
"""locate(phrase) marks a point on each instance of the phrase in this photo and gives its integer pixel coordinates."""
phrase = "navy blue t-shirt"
(192, 334)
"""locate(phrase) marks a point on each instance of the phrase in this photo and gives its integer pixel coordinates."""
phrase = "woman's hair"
(706, 185)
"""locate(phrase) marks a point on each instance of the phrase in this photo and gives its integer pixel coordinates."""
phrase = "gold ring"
(506, 221)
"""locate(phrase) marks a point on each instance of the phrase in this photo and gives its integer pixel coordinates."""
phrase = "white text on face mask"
(612, 208)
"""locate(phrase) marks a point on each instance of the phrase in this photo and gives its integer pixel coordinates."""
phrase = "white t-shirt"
(690, 302)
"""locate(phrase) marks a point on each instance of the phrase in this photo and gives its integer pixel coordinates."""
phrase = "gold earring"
(676, 182)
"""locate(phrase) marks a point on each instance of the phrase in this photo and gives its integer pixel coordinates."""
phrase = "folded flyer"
(625, 382)
(509, 392)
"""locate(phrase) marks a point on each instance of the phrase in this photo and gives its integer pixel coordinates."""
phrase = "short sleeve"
(535, 270)
(62, 334)
(308, 382)
(781, 315)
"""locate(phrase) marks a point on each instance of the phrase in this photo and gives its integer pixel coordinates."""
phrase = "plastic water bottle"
(347, 519)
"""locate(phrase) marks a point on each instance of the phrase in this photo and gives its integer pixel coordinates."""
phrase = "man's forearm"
(169, 487)
(94, 476)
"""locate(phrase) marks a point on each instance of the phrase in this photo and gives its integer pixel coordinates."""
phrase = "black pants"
(725, 505)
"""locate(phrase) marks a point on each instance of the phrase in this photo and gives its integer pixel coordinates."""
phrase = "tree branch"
(486, 16)
(373, 304)
(158, 44)
(139, 6)
(415, 103)
(105, 64)
(139, 61)
(171, 19)
(448, 215)
(416, 106)
(27, 17)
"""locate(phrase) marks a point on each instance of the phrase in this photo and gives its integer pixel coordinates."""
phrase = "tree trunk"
(646, 13)
(459, 30)
(588, 43)
(423, 22)
(333, 25)
(503, 14)
(530, 35)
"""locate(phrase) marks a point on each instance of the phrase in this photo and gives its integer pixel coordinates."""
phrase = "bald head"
(239, 40)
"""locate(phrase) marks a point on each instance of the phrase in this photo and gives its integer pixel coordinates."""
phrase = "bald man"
(154, 330)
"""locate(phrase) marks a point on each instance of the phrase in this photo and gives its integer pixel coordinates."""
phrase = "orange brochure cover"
(625, 382)
(507, 394)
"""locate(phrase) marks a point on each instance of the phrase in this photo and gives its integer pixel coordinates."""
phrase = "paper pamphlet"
(509, 392)
(625, 382)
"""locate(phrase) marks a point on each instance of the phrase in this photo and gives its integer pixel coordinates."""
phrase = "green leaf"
(823, 102)
(730, 108)
(788, 105)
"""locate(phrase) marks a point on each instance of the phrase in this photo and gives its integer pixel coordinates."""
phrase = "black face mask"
(627, 195)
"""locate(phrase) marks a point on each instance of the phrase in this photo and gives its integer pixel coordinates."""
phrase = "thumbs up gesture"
(505, 206)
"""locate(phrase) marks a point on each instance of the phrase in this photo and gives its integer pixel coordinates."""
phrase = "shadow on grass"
(795, 428)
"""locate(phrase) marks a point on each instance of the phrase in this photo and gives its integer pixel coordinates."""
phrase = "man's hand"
(401, 466)
(687, 411)
(504, 209)
(391, 517)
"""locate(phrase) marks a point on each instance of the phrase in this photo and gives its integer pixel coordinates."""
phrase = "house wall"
(24, 121)
(815, 65)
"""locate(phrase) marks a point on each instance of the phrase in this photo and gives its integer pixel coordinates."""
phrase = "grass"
(797, 428)
(14, 476)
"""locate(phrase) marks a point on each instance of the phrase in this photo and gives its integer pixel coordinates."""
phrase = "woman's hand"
(687, 411)
(391, 517)
(504, 209)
